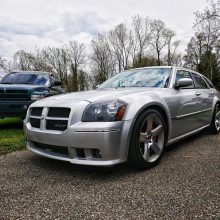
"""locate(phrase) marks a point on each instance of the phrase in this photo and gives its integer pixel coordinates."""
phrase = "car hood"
(101, 94)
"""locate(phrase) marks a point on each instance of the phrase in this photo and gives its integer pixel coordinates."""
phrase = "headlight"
(36, 97)
(104, 111)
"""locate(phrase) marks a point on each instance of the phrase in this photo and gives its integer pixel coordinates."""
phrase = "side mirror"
(57, 83)
(184, 82)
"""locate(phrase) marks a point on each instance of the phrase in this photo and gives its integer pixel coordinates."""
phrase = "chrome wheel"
(152, 138)
(217, 118)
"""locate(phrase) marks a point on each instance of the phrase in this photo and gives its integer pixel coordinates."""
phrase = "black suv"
(18, 90)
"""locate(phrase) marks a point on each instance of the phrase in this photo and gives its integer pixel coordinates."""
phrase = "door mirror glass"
(184, 82)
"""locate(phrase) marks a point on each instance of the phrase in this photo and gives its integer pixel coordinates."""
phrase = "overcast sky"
(27, 23)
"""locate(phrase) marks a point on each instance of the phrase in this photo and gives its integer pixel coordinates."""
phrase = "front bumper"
(14, 108)
(81, 141)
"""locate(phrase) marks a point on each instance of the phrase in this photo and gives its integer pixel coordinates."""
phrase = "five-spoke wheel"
(151, 137)
(147, 139)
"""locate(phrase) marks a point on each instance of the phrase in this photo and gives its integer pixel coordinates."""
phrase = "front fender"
(138, 105)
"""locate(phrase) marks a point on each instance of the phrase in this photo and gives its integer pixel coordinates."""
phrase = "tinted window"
(26, 78)
(199, 81)
(183, 74)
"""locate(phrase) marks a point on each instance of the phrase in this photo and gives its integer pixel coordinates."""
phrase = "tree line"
(142, 42)
(203, 49)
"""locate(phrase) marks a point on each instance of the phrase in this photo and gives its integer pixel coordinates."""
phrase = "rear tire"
(147, 141)
(215, 124)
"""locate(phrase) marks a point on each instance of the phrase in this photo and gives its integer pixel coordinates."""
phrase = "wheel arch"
(155, 106)
(215, 102)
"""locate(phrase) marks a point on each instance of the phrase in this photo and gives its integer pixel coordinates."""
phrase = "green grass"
(11, 135)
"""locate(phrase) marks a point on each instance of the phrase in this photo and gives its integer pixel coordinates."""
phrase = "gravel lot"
(186, 185)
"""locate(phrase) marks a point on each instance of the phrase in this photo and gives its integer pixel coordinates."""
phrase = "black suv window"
(199, 81)
(183, 74)
(26, 78)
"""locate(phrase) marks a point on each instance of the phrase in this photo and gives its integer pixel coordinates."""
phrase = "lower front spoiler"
(100, 163)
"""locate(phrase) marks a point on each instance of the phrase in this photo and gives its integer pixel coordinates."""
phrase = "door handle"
(197, 93)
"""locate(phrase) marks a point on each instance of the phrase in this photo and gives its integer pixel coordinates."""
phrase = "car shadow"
(68, 169)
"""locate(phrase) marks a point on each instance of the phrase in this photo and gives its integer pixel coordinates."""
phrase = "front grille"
(59, 112)
(51, 148)
(14, 94)
(1, 93)
(55, 119)
(58, 125)
(36, 111)
(35, 123)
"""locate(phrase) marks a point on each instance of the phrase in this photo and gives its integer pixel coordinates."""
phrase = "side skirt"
(186, 135)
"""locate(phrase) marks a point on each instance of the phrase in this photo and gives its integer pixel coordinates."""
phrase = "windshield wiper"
(6, 83)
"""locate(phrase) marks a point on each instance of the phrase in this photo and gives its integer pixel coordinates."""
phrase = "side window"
(199, 81)
(208, 82)
(183, 74)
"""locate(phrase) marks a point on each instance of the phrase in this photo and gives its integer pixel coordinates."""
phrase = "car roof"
(165, 67)
(33, 72)
(149, 67)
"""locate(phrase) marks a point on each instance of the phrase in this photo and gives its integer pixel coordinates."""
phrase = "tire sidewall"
(135, 156)
(213, 126)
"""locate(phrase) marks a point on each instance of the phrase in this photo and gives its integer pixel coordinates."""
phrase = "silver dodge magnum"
(130, 117)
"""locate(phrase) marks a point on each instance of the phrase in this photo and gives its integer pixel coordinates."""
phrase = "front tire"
(148, 139)
(215, 124)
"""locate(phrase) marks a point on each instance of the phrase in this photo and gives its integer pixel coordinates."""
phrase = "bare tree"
(142, 35)
(76, 55)
(39, 63)
(208, 25)
(57, 59)
(2, 67)
(83, 80)
(23, 60)
(160, 37)
(172, 46)
(120, 39)
(101, 59)
(2, 64)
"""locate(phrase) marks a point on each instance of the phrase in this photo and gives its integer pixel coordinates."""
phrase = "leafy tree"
(204, 68)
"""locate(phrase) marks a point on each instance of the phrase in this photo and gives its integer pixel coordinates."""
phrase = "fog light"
(97, 153)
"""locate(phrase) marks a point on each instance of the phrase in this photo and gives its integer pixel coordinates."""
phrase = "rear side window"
(183, 74)
(199, 81)
(209, 83)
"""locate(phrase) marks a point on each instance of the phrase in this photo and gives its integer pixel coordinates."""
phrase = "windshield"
(148, 77)
(26, 78)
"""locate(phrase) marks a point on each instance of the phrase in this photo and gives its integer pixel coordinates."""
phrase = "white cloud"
(14, 27)
(87, 21)
(25, 24)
